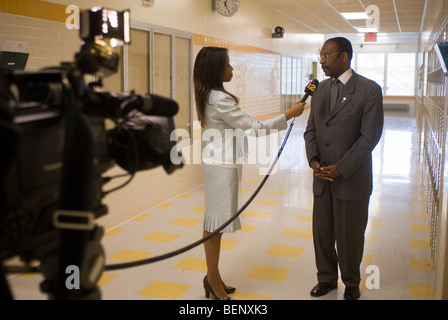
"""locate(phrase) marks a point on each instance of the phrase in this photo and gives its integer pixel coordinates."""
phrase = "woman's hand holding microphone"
(295, 111)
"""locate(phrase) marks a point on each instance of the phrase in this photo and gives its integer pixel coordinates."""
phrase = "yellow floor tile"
(418, 214)
(367, 259)
(279, 193)
(298, 233)
(264, 202)
(285, 251)
(250, 182)
(228, 244)
(421, 290)
(256, 214)
(418, 194)
(185, 222)
(420, 244)
(369, 239)
(289, 185)
(127, 255)
(141, 217)
(199, 209)
(164, 205)
(161, 237)
(419, 227)
(237, 295)
(268, 273)
(184, 196)
(114, 231)
(417, 203)
(421, 265)
(309, 206)
(243, 190)
(374, 223)
(192, 264)
(106, 278)
(248, 228)
(304, 218)
(165, 290)
(261, 245)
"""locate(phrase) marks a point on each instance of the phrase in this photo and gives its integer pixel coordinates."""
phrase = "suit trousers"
(338, 236)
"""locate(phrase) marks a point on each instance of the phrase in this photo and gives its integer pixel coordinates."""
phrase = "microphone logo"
(311, 87)
(309, 90)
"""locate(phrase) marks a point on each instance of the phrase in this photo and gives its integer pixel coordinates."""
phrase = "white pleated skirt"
(221, 196)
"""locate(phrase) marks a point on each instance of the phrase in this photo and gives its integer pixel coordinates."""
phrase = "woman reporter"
(218, 109)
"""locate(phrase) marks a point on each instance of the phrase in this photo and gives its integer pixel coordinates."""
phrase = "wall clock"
(227, 8)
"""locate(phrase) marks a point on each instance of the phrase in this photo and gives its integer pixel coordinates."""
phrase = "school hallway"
(272, 257)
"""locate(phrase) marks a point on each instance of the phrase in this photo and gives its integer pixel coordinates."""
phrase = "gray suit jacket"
(347, 136)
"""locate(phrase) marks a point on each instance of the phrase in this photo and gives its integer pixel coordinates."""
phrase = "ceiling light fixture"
(355, 15)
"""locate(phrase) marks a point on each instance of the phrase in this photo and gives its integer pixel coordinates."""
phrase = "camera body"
(55, 150)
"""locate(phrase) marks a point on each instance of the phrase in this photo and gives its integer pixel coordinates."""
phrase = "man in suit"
(344, 126)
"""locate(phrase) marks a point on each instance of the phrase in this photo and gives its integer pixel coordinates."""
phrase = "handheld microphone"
(309, 90)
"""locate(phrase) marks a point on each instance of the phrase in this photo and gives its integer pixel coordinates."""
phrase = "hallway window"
(400, 74)
(394, 72)
(291, 85)
(172, 60)
(139, 61)
(157, 62)
(114, 82)
(371, 65)
(183, 83)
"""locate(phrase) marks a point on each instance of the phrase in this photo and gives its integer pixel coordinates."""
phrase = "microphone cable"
(132, 264)
(309, 90)
(211, 235)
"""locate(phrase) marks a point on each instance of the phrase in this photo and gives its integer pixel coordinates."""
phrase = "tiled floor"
(272, 256)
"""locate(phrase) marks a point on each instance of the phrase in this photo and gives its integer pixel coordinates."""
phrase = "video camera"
(55, 150)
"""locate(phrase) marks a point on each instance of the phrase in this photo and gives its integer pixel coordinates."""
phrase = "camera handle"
(80, 245)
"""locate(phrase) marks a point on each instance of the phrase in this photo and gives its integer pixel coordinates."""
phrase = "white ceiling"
(324, 16)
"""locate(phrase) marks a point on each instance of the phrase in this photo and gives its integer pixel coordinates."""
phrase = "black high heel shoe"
(208, 290)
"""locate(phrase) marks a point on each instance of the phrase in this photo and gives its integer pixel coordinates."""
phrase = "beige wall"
(254, 55)
(253, 25)
(48, 42)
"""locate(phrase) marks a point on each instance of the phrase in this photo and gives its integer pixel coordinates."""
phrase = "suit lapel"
(345, 98)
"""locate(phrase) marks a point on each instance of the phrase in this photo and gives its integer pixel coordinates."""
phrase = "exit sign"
(370, 37)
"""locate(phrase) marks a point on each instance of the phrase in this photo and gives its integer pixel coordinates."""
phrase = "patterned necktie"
(336, 88)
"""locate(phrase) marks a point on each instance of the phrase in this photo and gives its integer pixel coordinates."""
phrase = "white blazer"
(226, 122)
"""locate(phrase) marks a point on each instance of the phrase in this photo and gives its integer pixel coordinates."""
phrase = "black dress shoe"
(322, 288)
(352, 293)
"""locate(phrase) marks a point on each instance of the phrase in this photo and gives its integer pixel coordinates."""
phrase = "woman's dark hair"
(208, 74)
(344, 45)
